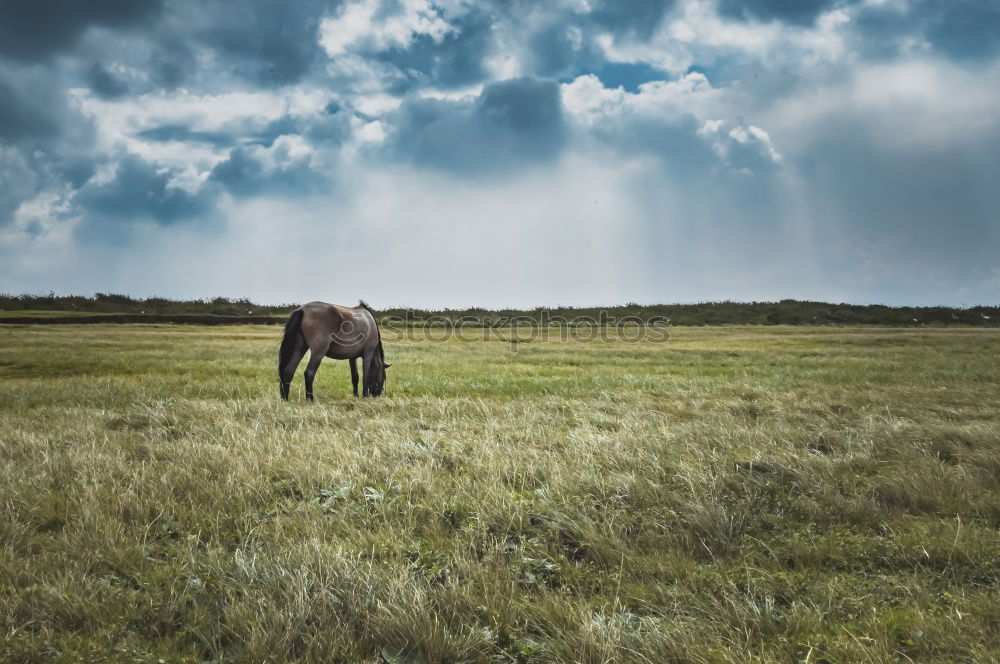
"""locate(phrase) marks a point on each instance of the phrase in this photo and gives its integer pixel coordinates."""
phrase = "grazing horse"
(330, 330)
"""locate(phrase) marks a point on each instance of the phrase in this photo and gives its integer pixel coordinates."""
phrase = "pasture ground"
(734, 494)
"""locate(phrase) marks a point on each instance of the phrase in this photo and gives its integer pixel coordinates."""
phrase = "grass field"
(734, 494)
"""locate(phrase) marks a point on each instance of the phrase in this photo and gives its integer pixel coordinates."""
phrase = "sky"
(502, 153)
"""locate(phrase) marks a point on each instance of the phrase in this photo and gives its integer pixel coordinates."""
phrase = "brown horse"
(330, 330)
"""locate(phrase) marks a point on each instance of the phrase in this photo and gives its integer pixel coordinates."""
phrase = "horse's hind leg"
(354, 374)
(314, 359)
(288, 371)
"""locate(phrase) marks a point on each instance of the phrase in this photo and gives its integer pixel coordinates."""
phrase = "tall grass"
(736, 494)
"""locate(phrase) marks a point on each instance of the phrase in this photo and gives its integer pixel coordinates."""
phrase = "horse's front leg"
(354, 374)
(366, 365)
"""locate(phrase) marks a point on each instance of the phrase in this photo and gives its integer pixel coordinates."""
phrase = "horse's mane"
(364, 305)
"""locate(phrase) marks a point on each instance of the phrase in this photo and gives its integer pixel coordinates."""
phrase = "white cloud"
(120, 122)
(285, 152)
(694, 31)
(375, 104)
(587, 99)
(207, 112)
(372, 132)
(754, 138)
(363, 134)
(755, 135)
(590, 102)
(360, 27)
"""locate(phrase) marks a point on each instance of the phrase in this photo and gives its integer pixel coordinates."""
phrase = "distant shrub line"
(227, 311)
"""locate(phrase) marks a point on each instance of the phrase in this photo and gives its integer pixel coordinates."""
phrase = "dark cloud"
(22, 113)
(628, 75)
(75, 169)
(104, 83)
(171, 62)
(964, 28)
(247, 173)
(553, 51)
(958, 29)
(270, 43)
(18, 181)
(35, 29)
(525, 105)
(139, 190)
(240, 173)
(46, 143)
(639, 17)
(457, 60)
(35, 111)
(333, 126)
(791, 11)
(513, 122)
(563, 49)
(37, 167)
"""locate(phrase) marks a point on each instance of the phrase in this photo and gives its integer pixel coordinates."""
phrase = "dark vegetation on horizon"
(224, 310)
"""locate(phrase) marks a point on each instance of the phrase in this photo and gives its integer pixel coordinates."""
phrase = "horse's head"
(378, 379)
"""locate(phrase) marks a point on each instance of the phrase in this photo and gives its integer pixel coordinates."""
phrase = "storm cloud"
(139, 190)
(610, 151)
(36, 30)
(510, 125)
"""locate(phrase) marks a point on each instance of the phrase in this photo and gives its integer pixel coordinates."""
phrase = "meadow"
(734, 494)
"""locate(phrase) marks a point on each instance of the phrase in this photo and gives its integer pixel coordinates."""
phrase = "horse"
(341, 333)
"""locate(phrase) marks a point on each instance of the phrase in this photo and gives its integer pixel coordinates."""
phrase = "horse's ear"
(387, 366)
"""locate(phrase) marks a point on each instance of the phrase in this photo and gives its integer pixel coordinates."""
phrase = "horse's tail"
(293, 330)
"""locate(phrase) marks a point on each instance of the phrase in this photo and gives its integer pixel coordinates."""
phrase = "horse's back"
(324, 323)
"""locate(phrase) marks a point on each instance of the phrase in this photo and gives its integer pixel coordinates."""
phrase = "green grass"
(735, 494)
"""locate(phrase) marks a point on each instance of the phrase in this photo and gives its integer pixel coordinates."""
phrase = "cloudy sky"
(451, 153)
